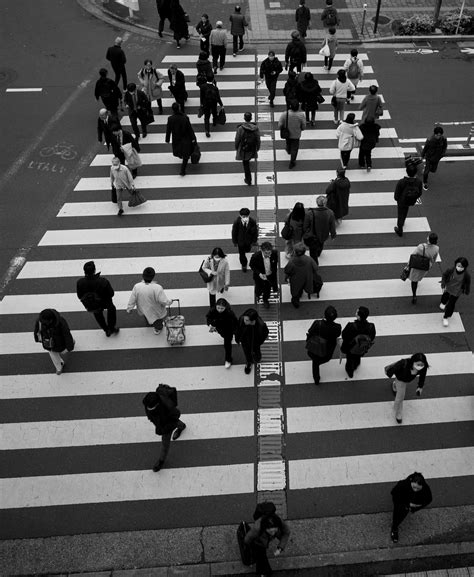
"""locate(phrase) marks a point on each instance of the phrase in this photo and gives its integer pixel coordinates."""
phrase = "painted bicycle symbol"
(416, 51)
(64, 150)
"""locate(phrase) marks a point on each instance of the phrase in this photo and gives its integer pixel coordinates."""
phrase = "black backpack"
(92, 302)
(211, 95)
(411, 192)
(331, 17)
(360, 345)
(249, 141)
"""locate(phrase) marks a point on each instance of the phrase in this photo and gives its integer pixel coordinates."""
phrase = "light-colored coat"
(221, 279)
(150, 301)
(348, 134)
(431, 251)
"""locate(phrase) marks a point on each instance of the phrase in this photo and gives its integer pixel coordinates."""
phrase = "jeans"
(248, 174)
(120, 72)
(208, 110)
(166, 441)
(57, 360)
(271, 83)
(237, 39)
(204, 44)
(111, 317)
(365, 157)
(218, 54)
(292, 147)
(345, 157)
(402, 212)
(328, 61)
(400, 389)
(448, 300)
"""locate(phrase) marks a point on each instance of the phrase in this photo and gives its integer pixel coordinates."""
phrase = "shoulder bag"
(419, 261)
(284, 130)
(316, 344)
(325, 50)
(287, 231)
(205, 277)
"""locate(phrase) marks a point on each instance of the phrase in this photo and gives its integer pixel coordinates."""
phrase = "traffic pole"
(363, 19)
(460, 16)
(377, 14)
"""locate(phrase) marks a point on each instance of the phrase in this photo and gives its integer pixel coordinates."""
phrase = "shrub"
(418, 24)
(449, 21)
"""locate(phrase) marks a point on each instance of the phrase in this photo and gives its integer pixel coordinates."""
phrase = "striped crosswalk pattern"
(79, 445)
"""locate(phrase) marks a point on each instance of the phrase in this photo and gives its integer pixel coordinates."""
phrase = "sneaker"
(60, 371)
(445, 323)
(120, 212)
(227, 365)
(208, 135)
(241, 49)
(369, 168)
(178, 46)
(157, 466)
(399, 420)
(361, 165)
(398, 232)
(177, 433)
(336, 122)
(234, 54)
(247, 369)
(157, 331)
(394, 535)
(425, 186)
(442, 306)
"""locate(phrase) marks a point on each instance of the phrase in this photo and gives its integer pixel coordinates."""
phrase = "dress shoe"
(60, 371)
(292, 164)
(399, 421)
(247, 369)
(157, 466)
(394, 535)
(398, 232)
(177, 433)
(120, 212)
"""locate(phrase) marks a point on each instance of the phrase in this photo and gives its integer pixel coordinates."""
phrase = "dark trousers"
(243, 249)
(218, 55)
(293, 64)
(120, 72)
(400, 511)
(184, 164)
(328, 62)
(317, 362)
(449, 301)
(263, 288)
(345, 157)
(166, 441)
(352, 362)
(365, 157)
(134, 122)
(313, 114)
(253, 354)
(237, 40)
(292, 147)
(111, 318)
(248, 174)
(209, 109)
(402, 212)
(271, 83)
(262, 566)
(414, 287)
(228, 346)
(161, 23)
(315, 248)
(204, 45)
(429, 167)
(160, 105)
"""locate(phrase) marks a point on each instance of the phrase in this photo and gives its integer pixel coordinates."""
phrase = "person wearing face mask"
(221, 319)
(405, 371)
(264, 530)
(409, 496)
(151, 81)
(264, 264)
(430, 250)
(251, 333)
(121, 180)
(454, 282)
(270, 69)
(244, 235)
(217, 266)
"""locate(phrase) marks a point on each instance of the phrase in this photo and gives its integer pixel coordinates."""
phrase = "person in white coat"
(150, 300)
(217, 266)
(348, 134)
(339, 89)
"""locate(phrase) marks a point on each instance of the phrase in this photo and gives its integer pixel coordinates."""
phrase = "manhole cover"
(7, 75)
(382, 20)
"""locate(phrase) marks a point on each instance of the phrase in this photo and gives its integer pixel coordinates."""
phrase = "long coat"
(337, 194)
(221, 279)
(431, 251)
(301, 270)
(178, 90)
(183, 138)
(251, 153)
(151, 83)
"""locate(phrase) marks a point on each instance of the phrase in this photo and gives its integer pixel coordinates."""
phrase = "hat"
(89, 268)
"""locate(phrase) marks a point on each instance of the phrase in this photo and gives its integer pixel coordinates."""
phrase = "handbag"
(113, 195)
(196, 154)
(204, 275)
(419, 261)
(334, 101)
(287, 231)
(284, 130)
(221, 117)
(136, 198)
(132, 158)
(320, 98)
(324, 50)
(316, 344)
(405, 273)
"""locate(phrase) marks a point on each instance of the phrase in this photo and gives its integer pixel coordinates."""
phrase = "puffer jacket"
(348, 134)
(58, 331)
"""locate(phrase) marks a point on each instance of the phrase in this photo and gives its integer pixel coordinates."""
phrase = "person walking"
(217, 267)
(290, 90)
(354, 68)
(329, 15)
(150, 300)
(338, 89)
(138, 107)
(218, 40)
(247, 144)
(120, 137)
(96, 293)
(295, 53)
(371, 105)
(52, 331)
(270, 70)
(319, 223)
(121, 181)
(293, 120)
(264, 265)
(348, 134)
(302, 273)
(337, 195)
(151, 82)
(108, 91)
(433, 151)
(238, 23)
(295, 221)
(251, 333)
(407, 192)
(409, 496)
(309, 94)
(164, 8)
(181, 132)
(244, 235)
(210, 98)
(204, 69)
(429, 252)
(455, 281)
(357, 338)
(321, 340)
(178, 22)
(332, 43)
(222, 320)
(403, 372)
(116, 56)
(204, 29)
(370, 133)
(177, 85)
(302, 18)
(264, 531)
(162, 410)
(104, 126)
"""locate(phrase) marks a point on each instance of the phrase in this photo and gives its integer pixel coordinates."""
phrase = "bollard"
(467, 144)
(363, 19)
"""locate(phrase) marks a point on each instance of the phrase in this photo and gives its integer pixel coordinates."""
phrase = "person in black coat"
(406, 187)
(52, 331)
(309, 93)
(108, 91)
(326, 333)
(270, 69)
(222, 319)
(352, 342)
(204, 29)
(95, 293)
(337, 195)
(120, 137)
(165, 415)
(371, 131)
(251, 333)
(403, 372)
(210, 97)
(116, 56)
(409, 496)
(264, 264)
(177, 85)
(138, 107)
(178, 22)
(164, 8)
(180, 130)
(244, 235)
(106, 123)
(295, 53)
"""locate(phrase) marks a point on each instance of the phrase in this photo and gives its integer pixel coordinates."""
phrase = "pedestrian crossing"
(78, 446)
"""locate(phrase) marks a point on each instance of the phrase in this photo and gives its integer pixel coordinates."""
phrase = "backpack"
(201, 79)
(353, 70)
(167, 392)
(360, 345)
(265, 509)
(331, 17)
(211, 95)
(249, 141)
(92, 302)
(411, 192)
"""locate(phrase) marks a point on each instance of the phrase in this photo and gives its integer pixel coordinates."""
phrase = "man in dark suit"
(106, 124)
(324, 333)
(181, 132)
(116, 56)
(119, 138)
(264, 264)
(177, 85)
(244, 235)
(138, 107)
(106, 89)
